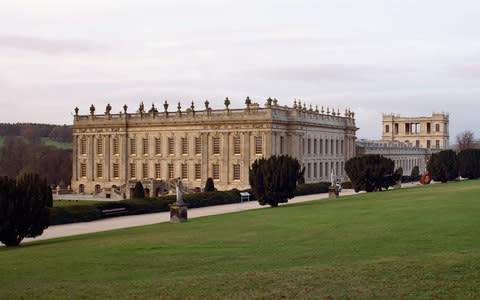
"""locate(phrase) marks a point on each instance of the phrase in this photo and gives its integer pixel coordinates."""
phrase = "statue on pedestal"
(179, 209)
(333, 189)
(179, 188)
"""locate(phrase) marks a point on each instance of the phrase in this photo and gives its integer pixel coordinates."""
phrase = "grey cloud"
(470, 71)
(48, 46)
(321, 73)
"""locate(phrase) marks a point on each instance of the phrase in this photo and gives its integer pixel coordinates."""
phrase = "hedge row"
(312, 188)
(91, 212)
(406, 179)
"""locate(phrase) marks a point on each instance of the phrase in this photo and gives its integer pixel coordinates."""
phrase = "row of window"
(407, 164)
(311, 169)
(184, 149)
(429, 143)
(157, 170)
(437, 144)
(332, 147)
(412, 128)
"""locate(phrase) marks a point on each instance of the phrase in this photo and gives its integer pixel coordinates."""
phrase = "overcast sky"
(407, 57)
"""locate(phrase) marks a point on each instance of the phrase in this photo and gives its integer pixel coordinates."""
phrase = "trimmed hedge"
(443, 166)
(371, 172)
(347, 185)
(91, 212)
(469, 163)
(312, 188)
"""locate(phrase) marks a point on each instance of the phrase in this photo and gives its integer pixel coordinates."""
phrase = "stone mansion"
(111, 152)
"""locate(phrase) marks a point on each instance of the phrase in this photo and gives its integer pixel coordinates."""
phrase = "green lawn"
(51, 142)
(407, 244)
(62, 203)
(45, 140)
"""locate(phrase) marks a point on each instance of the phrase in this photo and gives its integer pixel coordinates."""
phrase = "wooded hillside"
(24, 149)
(32, 131)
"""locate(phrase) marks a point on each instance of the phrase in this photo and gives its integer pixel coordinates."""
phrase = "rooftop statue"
(141, 108)
(153, 109)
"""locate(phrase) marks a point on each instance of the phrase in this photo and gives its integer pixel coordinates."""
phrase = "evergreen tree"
(469, 163)
(443, 166)
(398, 174)
(274, 180)
(370, 172)
(415, 174)
(24, 208)
(138, 191)
(209, 186)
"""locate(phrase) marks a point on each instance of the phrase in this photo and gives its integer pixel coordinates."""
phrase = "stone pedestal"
(333, 192)
(178, 213)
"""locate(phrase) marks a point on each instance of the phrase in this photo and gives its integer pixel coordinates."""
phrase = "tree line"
(33, 131)
(17, 157)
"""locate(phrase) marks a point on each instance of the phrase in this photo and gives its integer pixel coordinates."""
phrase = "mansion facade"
(111, 152)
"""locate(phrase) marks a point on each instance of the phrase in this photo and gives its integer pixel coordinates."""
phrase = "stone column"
(91, 158)
(246, 154)
(75, 158)
(267, 144)
(205, 139)
(107, 156)
(124, 154)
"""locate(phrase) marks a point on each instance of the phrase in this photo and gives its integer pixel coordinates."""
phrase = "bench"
(114, 211)
(244, 196)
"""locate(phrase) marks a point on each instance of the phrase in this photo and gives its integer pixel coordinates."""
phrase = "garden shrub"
(24, 208)
(274, 180)
(370, 172)
(415, 174)
(469, 163)
(443, 166)
(138, 191)
(209, 186)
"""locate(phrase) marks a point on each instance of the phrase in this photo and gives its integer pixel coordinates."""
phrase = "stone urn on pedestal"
(178, 210)
(333, 190)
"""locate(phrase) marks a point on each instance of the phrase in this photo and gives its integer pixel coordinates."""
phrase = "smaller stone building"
(423, 132)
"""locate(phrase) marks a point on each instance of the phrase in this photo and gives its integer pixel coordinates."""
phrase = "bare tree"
(465, 140)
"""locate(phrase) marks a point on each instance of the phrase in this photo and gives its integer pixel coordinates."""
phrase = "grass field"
(46, 141)
(51, 142)
(408, 244)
